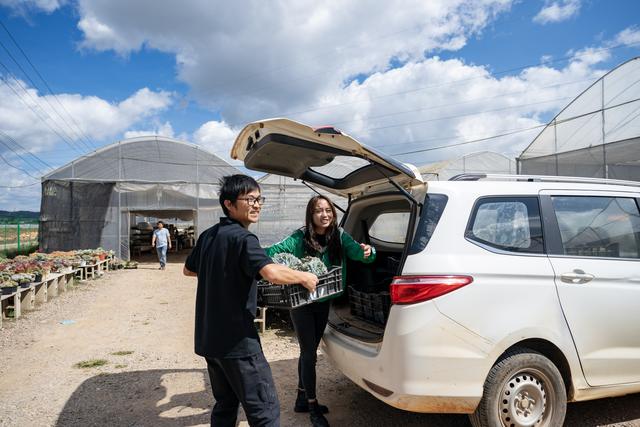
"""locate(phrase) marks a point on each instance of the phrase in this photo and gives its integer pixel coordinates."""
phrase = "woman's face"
(322, 216)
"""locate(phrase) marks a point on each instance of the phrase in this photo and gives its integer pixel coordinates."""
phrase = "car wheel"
(523, 389)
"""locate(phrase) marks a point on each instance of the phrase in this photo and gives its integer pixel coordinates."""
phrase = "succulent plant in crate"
(288, 260)
(313, 265)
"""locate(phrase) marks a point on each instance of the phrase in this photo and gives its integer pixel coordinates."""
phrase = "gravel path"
(141, 323)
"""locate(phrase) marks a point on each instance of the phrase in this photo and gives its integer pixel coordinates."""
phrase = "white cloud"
(249, 59)
(557, 11)
(628, 36)
(23, 7)
(217, 137)
(41, 123)
(162, 129)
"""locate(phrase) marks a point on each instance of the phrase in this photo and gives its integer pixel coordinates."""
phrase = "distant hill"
(7, 216)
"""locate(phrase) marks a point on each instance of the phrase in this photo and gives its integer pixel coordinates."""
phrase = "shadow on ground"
(182, 397)
(171, 397)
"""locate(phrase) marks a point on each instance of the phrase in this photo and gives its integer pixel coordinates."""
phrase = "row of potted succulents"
(24, 270)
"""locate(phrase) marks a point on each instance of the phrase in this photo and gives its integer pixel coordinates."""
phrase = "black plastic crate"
(373, 307)
(292, 296)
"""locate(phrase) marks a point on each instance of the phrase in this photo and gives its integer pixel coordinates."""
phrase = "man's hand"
(366, 249)
(309, 281)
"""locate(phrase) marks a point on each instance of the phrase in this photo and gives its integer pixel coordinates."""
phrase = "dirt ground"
(141, 323)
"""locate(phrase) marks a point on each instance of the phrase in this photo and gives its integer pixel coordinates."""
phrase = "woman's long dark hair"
(332, 235)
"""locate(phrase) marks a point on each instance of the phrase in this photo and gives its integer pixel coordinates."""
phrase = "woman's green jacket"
(294, 244)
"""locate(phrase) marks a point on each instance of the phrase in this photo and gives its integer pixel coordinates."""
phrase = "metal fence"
(16, 238)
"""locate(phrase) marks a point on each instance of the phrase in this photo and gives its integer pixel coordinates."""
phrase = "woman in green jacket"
(321, 237)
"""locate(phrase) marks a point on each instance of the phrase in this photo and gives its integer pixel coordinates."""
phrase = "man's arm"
(282, 275)
(153, 239)
(169, 238)
(188, 272)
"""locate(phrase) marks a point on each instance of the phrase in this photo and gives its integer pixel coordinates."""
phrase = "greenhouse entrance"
(180, 223)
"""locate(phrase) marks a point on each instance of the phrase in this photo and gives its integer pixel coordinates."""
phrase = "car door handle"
(576, 277)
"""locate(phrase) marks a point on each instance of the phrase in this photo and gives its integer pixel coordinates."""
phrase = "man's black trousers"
(248, 381)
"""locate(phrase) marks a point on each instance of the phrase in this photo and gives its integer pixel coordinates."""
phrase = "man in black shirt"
(227, 260)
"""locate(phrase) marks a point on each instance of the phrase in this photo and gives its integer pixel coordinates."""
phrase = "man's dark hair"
(160, 222)
(234, 186)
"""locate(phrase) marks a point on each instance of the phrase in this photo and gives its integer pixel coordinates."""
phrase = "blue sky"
(402, 76)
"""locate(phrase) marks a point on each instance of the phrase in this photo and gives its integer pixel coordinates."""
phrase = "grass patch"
(91, 363)
(122, 353)
(120, 366)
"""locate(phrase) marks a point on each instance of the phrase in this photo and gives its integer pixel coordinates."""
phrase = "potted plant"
(8, 287)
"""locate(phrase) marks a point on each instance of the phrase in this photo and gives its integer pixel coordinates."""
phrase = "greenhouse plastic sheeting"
(483, 162)
(285, 206)
(89, 202)
(596, 135)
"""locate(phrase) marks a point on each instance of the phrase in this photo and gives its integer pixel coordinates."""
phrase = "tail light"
(413, 289)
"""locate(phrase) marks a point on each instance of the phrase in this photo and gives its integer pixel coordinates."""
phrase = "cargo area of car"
(384, 222)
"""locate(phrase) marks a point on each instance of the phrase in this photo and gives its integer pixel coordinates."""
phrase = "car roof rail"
(540, 178)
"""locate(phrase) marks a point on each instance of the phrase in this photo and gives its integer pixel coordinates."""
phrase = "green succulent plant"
(310, 264)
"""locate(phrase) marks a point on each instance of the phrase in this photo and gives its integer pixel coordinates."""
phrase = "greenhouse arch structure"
(597, 135)
(92, 200)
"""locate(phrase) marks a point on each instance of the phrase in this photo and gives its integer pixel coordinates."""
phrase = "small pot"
(38, 277)
(8, 290)
(25, 285)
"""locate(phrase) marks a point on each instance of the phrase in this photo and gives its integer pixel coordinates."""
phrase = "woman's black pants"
(309, 322)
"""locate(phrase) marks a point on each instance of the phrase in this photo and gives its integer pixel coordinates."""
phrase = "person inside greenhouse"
(320, 237)
(228, 260)
(161, 240)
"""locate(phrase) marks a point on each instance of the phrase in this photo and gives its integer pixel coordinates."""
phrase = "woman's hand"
(366, 249)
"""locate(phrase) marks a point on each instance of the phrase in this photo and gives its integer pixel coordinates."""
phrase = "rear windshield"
(430, 216)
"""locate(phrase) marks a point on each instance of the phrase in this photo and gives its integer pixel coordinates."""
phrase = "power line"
(20, 186)
(469, 101)
(81, 133)
(508, 133)
(457, 116)
(35, 87)
(424, 150)
(23, 149)
(4, 80)
(16, 167)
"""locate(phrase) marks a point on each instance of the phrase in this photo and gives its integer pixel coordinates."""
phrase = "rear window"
(432, 209)
(390, 227)
(507, 223)
(598, 226)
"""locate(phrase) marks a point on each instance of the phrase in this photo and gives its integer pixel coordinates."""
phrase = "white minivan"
(503, 297)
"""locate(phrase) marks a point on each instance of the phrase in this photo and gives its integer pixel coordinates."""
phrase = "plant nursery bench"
(261, 318)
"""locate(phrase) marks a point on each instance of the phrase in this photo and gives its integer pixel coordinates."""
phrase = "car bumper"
(425, 363)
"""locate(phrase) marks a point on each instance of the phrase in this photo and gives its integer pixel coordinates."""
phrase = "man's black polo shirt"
(227, 259)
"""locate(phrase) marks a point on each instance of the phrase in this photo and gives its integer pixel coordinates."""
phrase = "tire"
(523, 388)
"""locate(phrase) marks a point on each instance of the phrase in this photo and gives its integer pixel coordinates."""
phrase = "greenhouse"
(482, 162)
(107, 198)
(285, 204)
(596, 135)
